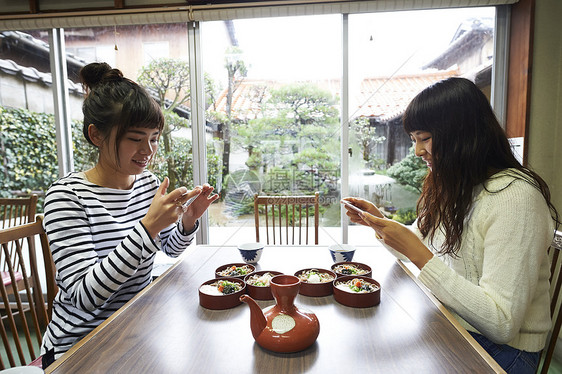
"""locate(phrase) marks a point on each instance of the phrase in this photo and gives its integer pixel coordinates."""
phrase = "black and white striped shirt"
(102, 252)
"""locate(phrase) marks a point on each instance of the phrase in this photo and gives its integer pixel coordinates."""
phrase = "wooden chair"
(17, 211)
(23, 311)
(555, 301)
(296, 210)
(14, 212)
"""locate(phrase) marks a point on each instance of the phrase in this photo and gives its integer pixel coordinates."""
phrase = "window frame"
(511, 97)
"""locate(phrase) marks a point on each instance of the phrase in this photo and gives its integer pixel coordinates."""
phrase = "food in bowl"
(315, 276)
(356, 285)
(258, 284)
(357, 291)
(221, 287)
(260, 280)
(236, 271)
(222, 293)
(350, 268)
(315, 282)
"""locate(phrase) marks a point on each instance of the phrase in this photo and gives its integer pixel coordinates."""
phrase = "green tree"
(304, 105)
(28, 151)
(367, 138)
(237, 70)
(294, 140)
(409, 172)
(307, 116)
(183, 156)
(169, 79)
(252, 137)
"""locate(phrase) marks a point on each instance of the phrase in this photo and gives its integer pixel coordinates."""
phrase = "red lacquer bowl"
(223, 268)
(260, 292)
(316, 289)
(355, 299)
(352, 266)
(218, 302)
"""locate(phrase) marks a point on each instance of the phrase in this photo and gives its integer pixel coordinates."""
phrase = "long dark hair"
(468, 147)
(115, 101)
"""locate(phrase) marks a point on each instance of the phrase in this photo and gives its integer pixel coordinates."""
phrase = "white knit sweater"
(498, 285)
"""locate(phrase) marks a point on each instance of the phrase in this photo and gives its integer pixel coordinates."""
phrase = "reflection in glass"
(27, 126)
(156, 57)
(393, 56)
(275, 122)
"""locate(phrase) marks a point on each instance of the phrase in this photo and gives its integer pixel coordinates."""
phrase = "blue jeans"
(512, 360)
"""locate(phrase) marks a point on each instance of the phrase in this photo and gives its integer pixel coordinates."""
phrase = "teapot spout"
(257, 319)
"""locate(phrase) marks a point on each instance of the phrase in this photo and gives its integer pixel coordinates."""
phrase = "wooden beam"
(119, 4)
(519, 71)
(33, 6)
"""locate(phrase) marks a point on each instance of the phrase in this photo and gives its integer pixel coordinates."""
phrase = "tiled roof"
(33, 75)
(386, 98)
(377, 97)
(471, 35)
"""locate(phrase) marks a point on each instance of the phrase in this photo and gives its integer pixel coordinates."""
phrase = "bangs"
(429, 110)
(417, 118)
(141, 111)
(138, 110)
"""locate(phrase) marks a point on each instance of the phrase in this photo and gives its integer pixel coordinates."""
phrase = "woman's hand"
(198, 206)
(365, 206)
(399, 237)
(165, 208)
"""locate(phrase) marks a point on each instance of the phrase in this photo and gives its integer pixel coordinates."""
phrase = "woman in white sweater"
(484, 224)
(105, 225)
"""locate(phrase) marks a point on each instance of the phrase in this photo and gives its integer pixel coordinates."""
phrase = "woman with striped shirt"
(105, 224)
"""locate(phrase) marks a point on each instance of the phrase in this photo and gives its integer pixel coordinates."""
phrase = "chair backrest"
(24, 315)
(287, 218)
(17, 211)
(555, 301)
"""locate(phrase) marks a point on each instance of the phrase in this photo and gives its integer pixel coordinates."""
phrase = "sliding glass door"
(274, 123)
(277, 94)
(392, 57)
(155, 56)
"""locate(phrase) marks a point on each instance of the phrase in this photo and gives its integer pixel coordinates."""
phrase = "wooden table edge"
(95, 331)
(481, 351)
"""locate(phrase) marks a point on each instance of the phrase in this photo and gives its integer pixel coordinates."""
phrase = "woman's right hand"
(365, 206)
(166, 208)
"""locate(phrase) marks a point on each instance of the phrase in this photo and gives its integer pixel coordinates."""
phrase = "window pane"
(27, 131)
(156, 57)
(275, 117)
(393, 56)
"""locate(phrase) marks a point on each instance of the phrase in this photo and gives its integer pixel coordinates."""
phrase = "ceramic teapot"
(283, 327)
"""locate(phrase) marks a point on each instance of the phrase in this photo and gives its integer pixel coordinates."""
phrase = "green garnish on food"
(349, 270)
(227, 287)
(235, 271)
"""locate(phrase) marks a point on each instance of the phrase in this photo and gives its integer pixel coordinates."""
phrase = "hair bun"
(95, 73)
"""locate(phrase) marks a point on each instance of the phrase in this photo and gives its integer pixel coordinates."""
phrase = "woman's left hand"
(198, 206)
(399, 237)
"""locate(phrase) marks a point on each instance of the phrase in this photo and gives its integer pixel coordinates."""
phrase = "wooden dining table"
(164, 329)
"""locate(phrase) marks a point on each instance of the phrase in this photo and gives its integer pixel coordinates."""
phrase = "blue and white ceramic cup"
(342, 252)
(251, 252)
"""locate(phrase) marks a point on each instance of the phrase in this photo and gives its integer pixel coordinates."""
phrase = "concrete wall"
(16, 92)
(545, 129)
